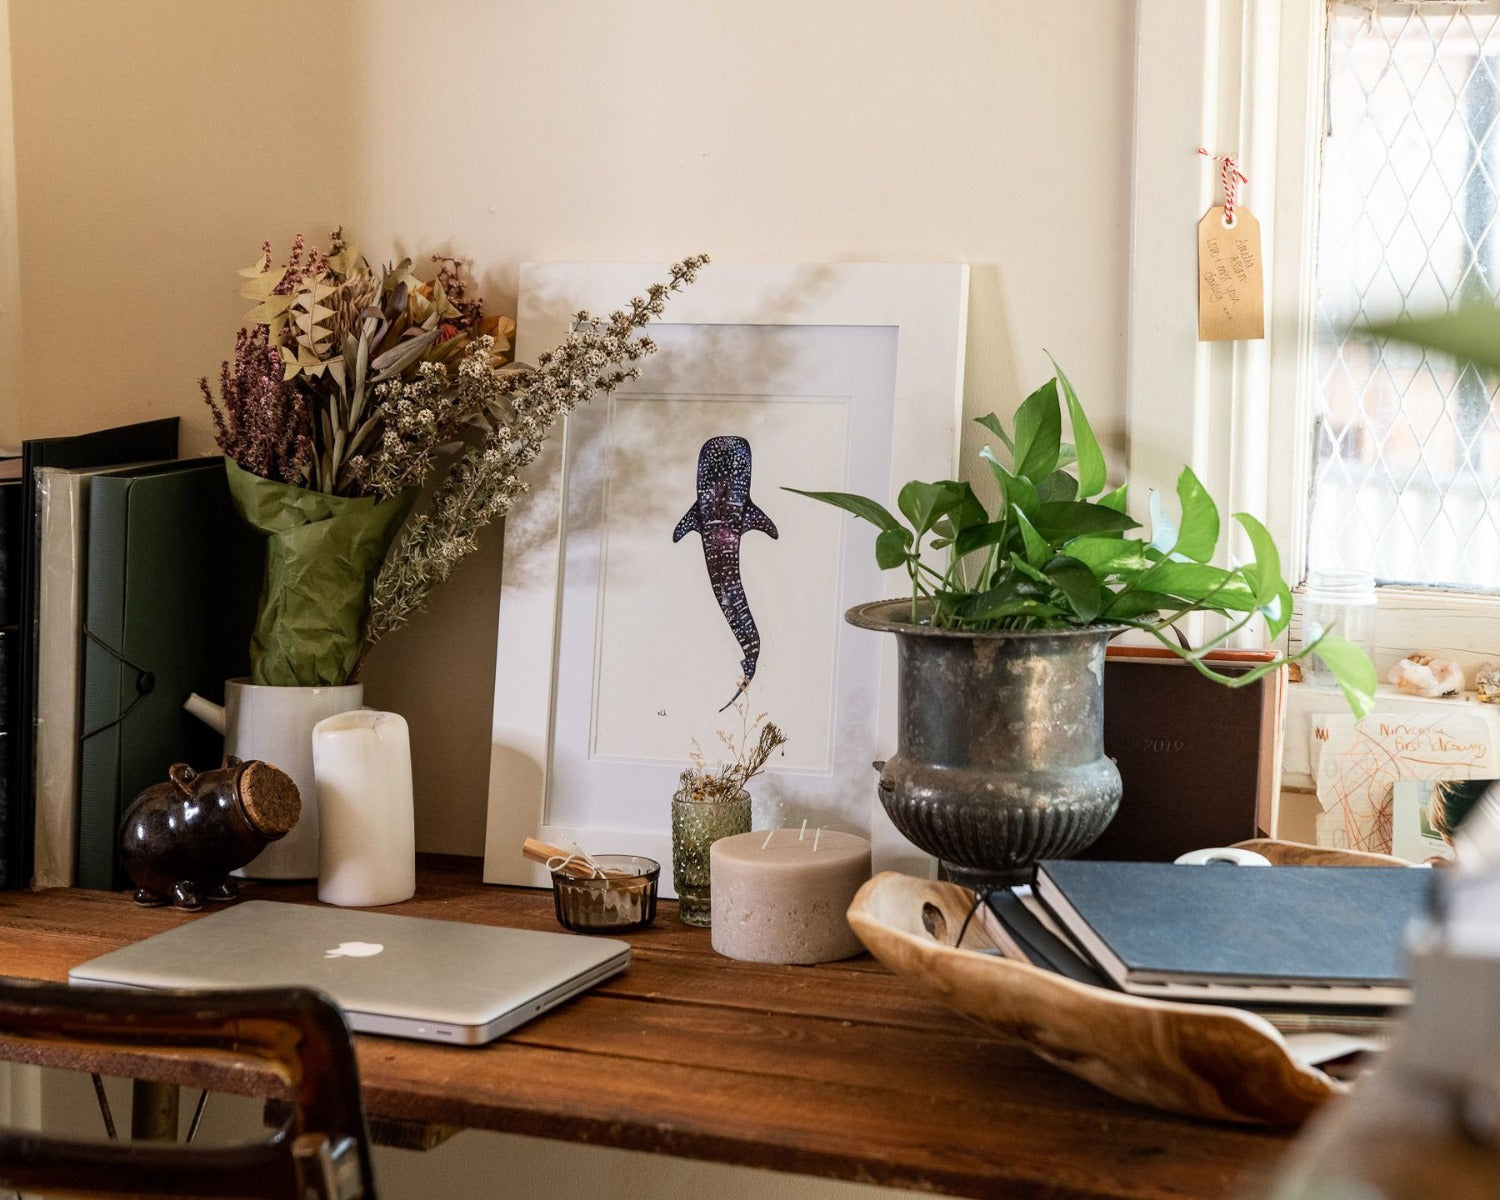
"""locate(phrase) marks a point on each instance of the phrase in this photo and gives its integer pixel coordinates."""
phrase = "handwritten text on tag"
(1231, 295)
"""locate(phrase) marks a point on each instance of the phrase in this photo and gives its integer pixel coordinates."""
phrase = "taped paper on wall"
(1356, 765)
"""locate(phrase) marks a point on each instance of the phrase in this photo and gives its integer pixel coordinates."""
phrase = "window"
(1406, 446)
(1252, 77)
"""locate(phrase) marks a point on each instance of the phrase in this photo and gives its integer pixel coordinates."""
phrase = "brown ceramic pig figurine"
(180, 839)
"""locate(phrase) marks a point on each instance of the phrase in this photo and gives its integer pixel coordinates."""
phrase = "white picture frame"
(787, 347)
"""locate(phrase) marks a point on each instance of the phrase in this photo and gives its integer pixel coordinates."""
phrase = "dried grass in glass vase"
(712, 802)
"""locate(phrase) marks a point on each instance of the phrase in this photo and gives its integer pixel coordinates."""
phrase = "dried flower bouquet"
(349, 388)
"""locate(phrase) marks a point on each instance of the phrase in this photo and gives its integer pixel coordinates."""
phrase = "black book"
(141, 442)
(1016, 928)
(10, 585)
(1292, 935)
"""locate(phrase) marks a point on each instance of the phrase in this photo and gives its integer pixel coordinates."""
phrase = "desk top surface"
(840, 1070)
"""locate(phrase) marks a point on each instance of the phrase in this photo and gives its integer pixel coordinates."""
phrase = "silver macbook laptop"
(440, 981)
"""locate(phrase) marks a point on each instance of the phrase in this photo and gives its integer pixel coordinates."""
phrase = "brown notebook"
(1200, 762)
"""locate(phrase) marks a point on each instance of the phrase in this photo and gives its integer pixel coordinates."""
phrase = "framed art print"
(659, 563)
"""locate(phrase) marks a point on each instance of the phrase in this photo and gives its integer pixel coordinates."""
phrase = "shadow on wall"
(993, 383)
(439, 673)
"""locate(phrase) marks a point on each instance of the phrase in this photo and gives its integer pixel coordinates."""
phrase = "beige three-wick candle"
(781, 895)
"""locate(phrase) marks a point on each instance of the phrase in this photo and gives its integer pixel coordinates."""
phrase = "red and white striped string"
(1230, 178)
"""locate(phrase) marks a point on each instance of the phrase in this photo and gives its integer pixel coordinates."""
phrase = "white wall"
(157, 143)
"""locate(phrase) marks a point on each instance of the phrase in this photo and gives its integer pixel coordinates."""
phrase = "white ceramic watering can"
(275, 724)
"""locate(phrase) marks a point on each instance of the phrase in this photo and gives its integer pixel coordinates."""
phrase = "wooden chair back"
(323, 1150)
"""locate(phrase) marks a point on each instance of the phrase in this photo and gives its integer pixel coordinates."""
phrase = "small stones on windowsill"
(1487, 683)
(1294, 672)
(1421, 674)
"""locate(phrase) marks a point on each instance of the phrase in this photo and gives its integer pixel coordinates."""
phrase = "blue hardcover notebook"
(1329, 935)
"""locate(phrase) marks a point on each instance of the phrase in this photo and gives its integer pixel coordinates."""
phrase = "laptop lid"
(413, 977)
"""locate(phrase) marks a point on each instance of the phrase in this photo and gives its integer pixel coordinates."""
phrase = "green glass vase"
(697, 825)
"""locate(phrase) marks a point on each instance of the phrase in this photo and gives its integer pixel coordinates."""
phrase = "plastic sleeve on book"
(62, 499)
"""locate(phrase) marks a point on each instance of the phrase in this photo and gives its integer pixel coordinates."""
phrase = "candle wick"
(767, 842)
(803, 834)
(816, 836)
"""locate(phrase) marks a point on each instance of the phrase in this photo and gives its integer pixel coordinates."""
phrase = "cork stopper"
(271, 800)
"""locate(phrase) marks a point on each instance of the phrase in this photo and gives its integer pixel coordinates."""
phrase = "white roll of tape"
(1231, 855)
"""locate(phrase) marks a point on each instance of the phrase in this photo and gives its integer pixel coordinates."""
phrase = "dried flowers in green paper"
(322, 553)
(350, 388)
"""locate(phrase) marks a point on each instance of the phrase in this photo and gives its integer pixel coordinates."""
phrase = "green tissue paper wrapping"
(322, 554)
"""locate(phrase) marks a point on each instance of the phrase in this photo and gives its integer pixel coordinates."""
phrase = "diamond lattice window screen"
(1407, 445)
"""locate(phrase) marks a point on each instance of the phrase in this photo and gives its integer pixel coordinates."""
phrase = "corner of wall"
(10, 254)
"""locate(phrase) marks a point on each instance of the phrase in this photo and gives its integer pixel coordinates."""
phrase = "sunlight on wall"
(157, 143)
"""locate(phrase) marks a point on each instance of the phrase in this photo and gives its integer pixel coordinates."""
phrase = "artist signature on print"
(721, 515)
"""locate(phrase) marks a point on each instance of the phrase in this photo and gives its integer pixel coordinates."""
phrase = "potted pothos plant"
(1000, 760)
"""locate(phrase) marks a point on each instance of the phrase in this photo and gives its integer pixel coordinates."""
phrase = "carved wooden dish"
(1198, 1060)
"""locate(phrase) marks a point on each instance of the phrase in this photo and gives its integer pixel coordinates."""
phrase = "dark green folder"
(169, 605)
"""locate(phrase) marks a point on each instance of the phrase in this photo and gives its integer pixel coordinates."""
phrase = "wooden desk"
(837, 1070)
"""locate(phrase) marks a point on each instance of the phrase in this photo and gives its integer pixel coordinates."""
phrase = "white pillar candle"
(367, 851)
(781, 895)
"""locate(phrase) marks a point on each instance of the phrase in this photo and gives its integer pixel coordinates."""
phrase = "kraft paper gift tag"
(1231, 295)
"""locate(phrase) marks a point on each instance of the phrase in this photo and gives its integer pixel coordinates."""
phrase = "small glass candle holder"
(697, 825)
(622, 900)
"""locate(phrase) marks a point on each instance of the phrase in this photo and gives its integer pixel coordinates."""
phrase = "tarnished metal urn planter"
(1000, 755)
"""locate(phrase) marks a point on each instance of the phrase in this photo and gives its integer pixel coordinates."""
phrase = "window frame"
(1246, 77)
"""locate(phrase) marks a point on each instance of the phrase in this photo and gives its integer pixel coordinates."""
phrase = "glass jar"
(1340, 602)
(622, 900)
(697, 825)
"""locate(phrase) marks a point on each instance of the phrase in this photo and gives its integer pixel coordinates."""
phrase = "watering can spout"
(207, 711)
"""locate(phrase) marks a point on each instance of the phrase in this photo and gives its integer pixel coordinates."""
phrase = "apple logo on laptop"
(354, 950)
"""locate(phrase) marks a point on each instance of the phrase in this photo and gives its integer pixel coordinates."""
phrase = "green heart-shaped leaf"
(1198, 535)
(1108, 555)
(1352, 671)
(1038, 550)
(1057, 486)
(1078, 586)
(1038, 433)
(1059, 520)
(977, 537)
(991, 422)
(1091, 469)
(861, 507)
(892, 548)
(1267, 579)
(923, 503)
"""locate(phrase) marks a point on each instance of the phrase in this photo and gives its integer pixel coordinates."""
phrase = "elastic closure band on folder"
(145, 682)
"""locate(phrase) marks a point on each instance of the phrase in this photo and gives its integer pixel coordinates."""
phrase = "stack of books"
(126, 582)
(1310, 947)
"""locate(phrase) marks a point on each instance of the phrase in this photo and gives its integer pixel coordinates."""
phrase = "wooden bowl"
(1197, 1060)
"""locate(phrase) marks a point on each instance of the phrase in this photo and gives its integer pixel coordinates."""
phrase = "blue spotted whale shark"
(720, 515)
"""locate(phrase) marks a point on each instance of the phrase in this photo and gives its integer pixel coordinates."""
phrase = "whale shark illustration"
(720, 516)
